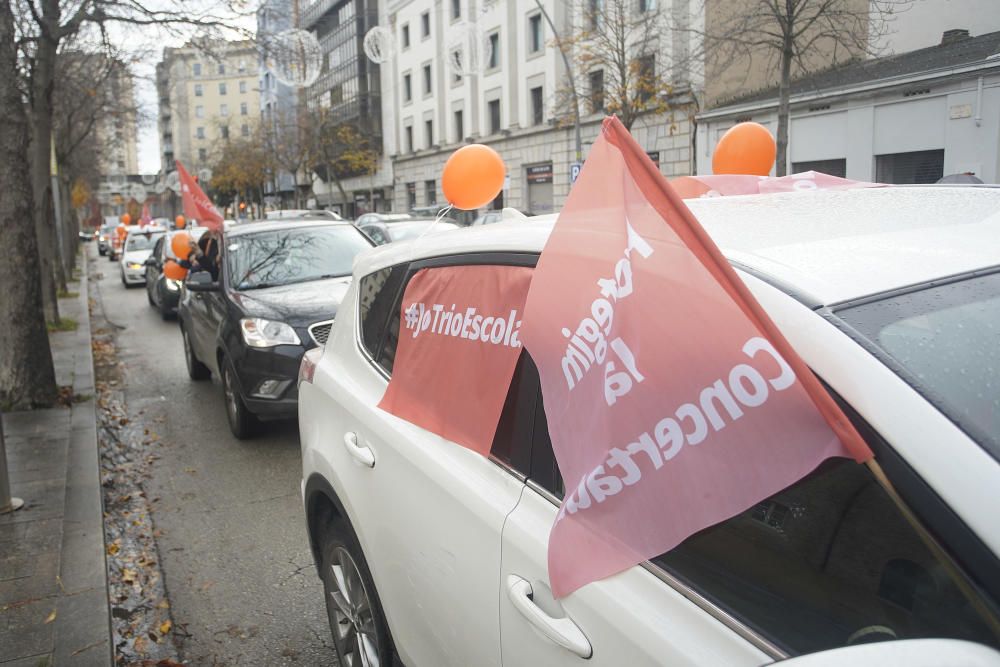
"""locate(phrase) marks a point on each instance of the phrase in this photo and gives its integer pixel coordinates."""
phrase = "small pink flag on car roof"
(673, 402)
(197, 205)
(727, 185)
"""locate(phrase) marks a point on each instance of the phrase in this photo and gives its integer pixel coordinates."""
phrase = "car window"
(158, 248)
(378, 300)
(376, 234)
(141, 241)
(830, 561)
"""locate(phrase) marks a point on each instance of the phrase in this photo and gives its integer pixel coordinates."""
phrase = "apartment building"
(207, 95)
(118, 133)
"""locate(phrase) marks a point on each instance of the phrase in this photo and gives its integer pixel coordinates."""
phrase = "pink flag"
(458, 345)
(689, 187)
(673, 402)
(197, 205)
(147, 216)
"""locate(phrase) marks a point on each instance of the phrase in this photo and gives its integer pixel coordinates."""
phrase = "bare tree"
(792, 38)
(27, 377)
(339, 150)
(286, 135)
(622, 50)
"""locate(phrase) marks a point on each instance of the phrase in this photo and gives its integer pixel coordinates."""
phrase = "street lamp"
(572, 79)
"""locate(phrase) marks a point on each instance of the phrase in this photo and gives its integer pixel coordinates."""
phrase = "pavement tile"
(23, 630)
(40, 660)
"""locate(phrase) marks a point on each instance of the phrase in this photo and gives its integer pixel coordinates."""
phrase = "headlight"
(258, 332)
(172, 285)
(134, 265)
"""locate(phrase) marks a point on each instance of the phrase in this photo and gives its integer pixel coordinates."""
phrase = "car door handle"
(364, 455)
(562, 631)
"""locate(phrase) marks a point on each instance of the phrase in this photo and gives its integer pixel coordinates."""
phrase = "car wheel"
(149, 295)
(360, 633)
(164, 308)
(196, 369)
(242, 422)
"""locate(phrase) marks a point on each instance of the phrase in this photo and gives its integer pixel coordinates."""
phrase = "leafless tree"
(791, 38)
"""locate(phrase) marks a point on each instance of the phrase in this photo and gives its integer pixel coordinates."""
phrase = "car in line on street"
(164, 293)
(434, 555)
(278, 291)
(383, 232)
(302, 214)
(105, 236)
(136, 250)
(368, 218)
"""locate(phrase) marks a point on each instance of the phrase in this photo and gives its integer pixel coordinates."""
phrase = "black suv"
(279, 286)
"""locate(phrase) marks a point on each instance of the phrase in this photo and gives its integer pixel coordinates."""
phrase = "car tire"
(149, 295)
(196, 369)
(353, 609)
(242, 422)
(164, 309)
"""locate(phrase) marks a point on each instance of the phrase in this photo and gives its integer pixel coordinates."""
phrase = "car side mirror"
(201, 281)
(150, 261)
(910, 652)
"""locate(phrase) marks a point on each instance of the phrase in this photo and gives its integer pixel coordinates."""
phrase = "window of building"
(223, 109)
(196, 69)
(429, 132)
(243, 66)
(245, 130)
(198, 90)
(202, 154)
(199, 111)
(493, 110)
(222, 88)
(456, 9)
(243, 86)
(459, 126)
(425, 25)
(411, 195)
(832, 167)
(405, 35)
(535, 33)
(494, 60)
(913, 167)
(537, 106)
(647, 6)
(199, 132)
(243, 108)
(224, 131)
(408, 138)
(222, 69)
(456, 59)
(596, 80)
(430, 192)
(646, 77)
(267, 81)
(407, 88)
(595, 13)
(428, 83)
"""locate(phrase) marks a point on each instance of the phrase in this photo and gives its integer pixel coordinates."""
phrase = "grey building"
(278, 100)
(907, 118)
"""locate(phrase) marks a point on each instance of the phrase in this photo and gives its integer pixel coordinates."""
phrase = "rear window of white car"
(378, 313)
(944, 340)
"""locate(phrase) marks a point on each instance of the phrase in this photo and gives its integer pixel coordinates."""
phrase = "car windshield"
(403, 231)
(293, 255)
(142, 241)
(946, 339)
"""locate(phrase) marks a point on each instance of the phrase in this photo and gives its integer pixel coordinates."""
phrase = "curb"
(82, 632)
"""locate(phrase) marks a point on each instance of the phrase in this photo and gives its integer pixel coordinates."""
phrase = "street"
(231, 533)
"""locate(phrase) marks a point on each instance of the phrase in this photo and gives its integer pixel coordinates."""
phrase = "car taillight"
(307, 369)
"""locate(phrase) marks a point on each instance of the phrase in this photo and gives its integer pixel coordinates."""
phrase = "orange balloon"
(122, 231)
(180, 243)
(746, 148)
(472, 177)
(180, 222)
(126, 218)
(173, 270)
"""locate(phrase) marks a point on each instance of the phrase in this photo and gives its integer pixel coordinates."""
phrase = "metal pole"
(7, 504)
(572, 80)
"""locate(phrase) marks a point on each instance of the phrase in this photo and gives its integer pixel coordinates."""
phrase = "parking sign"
(574, 171)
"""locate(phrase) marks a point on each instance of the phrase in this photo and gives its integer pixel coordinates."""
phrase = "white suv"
(434, 555)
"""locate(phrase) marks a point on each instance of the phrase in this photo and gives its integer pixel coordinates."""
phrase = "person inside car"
(204, 255)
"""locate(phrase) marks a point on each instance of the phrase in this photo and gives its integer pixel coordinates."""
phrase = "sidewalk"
(53, 579)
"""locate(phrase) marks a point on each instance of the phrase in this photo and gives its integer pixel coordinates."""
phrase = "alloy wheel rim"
(187, 350)
(354, 630)
(230, 396)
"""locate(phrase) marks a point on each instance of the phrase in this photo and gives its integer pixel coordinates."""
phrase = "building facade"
(206, 97)
(908, 118)
(118, 132)
(278, 100)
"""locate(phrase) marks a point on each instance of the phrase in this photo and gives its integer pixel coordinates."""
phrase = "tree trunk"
(784, 92)
(27, 377)
(42, 86)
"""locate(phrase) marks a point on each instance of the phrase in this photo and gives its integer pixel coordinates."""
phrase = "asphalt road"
(232, 539)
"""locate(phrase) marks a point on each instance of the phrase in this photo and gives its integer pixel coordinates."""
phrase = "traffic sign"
(574, 172)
